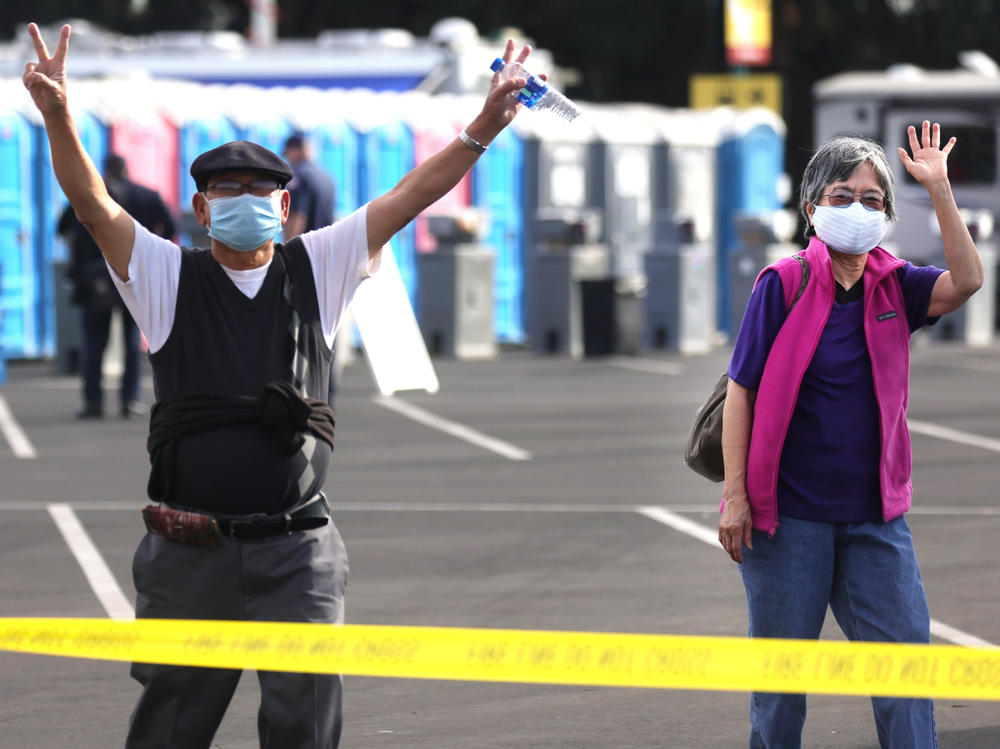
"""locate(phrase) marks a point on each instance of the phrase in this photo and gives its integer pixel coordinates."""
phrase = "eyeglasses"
(842, 199)
(261, 188)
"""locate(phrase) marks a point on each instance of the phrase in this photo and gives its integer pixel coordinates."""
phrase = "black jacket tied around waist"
(280, 408)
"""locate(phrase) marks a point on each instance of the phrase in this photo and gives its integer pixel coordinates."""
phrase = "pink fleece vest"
(887, 333)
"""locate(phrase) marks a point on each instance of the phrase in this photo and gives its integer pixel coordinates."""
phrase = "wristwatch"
(471, 143)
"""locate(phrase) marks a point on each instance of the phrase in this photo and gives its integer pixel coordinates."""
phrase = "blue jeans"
(867, 573)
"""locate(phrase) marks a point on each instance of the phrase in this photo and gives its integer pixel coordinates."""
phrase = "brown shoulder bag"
(703, 452)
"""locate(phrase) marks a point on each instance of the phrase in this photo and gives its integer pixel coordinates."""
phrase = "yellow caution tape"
(496, 655)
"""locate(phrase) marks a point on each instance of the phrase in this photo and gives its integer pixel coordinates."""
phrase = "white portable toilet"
(680, 309)
(563, 227)
(624, 170)
(966, 103)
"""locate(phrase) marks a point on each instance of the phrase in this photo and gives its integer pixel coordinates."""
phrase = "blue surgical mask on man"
(245, 222)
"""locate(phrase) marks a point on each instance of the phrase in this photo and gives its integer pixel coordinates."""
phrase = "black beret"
(239, 156)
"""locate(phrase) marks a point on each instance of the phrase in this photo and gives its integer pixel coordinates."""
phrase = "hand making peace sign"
(46, 79)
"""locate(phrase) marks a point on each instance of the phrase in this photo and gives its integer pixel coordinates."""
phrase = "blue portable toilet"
(50, 247)
(434, 129)
(497, 193)
(197, 113)
(269, 132)
(336, 148)
(751, 163)
(93, 132)
(266, 125)
(18, 199)
(497, 188)
(334, 143)
(387, 154)
(201, 125)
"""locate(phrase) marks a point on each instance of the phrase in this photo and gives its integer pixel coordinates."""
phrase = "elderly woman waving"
(816, 447)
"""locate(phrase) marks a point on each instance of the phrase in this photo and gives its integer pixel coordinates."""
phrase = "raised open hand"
(501, 103)
(929, 164)
(46, 79)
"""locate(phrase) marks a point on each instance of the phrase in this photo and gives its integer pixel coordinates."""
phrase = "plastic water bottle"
(536, 95)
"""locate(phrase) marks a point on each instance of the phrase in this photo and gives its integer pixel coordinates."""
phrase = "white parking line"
(662, 515)
(462, 432)
(96, 570)
(957, 636)
(376, 506)
(651, 366)
(16, 437)
(991, 367)
(711, 537)
(70, 383)
(985, 511)
(113, 599)
(971, 364)
(953, 435)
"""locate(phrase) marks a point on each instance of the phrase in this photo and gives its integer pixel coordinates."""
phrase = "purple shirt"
(830, 459)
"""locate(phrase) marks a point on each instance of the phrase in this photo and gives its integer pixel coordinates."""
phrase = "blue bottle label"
(532, 92)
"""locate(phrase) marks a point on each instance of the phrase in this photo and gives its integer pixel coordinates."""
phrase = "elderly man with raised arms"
(240, 435)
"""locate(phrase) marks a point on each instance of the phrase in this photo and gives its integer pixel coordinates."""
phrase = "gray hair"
(835, 161)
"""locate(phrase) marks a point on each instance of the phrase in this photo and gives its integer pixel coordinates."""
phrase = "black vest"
(223, 343)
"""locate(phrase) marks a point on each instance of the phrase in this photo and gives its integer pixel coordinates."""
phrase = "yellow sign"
(748, 32)
(497, 655)
(740, 91)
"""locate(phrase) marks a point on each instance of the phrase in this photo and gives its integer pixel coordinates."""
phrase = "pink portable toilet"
(148, 142)
(433, 128)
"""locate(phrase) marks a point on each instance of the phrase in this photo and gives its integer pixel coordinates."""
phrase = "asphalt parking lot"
(444, 531)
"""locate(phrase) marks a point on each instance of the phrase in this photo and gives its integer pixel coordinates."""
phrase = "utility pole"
(263, 22)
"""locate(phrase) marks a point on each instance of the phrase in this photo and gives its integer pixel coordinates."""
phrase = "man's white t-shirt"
(338, 254)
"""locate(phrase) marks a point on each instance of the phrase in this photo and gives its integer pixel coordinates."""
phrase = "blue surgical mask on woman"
(854, 230)
(245, 222)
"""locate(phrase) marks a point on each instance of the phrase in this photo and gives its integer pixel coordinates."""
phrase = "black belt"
(314, 514)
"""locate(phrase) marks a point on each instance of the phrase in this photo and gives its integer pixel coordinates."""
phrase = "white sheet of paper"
(393, 344)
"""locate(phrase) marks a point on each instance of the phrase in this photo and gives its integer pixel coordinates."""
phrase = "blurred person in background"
(241, 435)
(815, 442)
(95, 293)
(311, 191)
(311, 205)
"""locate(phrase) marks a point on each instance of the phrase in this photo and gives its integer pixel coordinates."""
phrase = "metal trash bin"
(630, 297)
(763, 241)
(68, 336)
(558, 322)
(598, 316)
(456, 291)
(678, 301)
(744, 267)
(610, 316)
(972, 323)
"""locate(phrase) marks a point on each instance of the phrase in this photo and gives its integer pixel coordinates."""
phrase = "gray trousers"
(296, 578)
